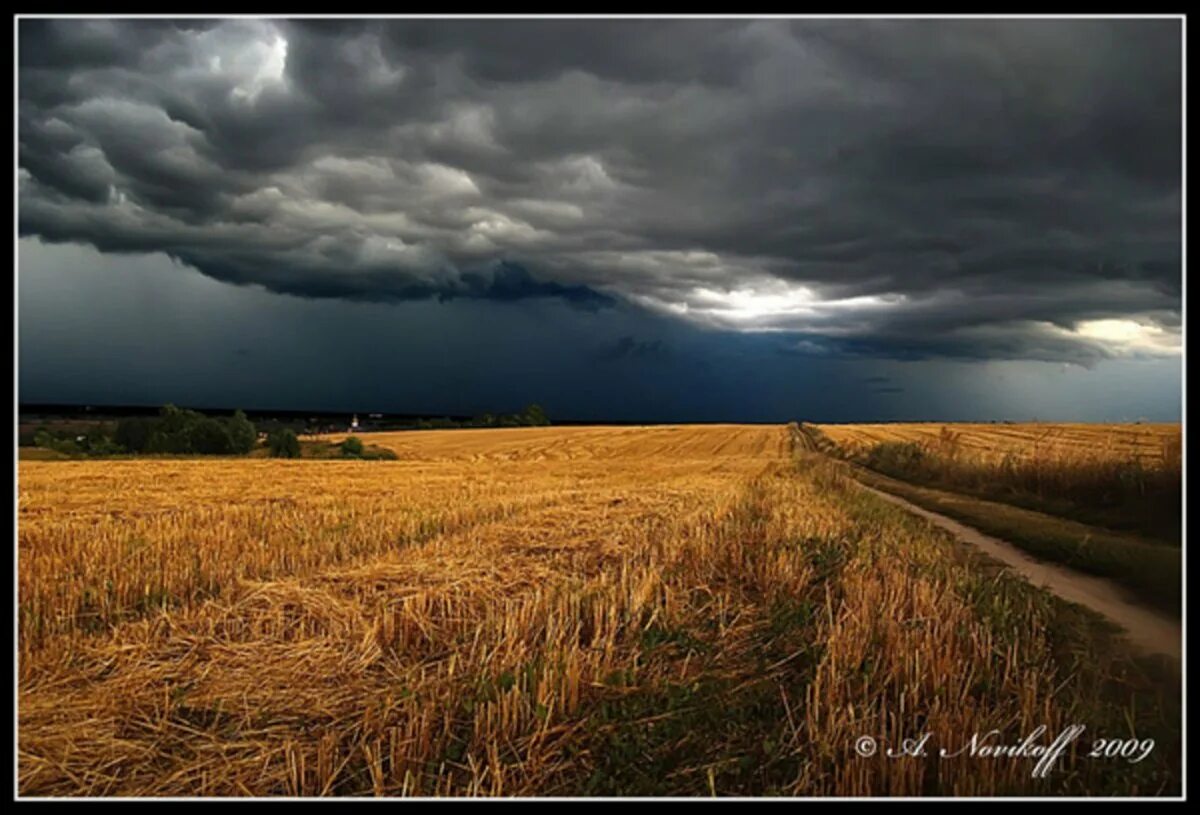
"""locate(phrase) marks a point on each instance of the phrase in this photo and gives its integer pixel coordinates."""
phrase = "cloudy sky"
(627, 219)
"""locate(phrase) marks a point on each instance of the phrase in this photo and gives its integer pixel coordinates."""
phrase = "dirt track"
(1147, 629)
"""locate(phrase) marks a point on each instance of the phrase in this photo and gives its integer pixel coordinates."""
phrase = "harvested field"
(659, 442)
(684, 610)
(1127, 478)
(1144, 442)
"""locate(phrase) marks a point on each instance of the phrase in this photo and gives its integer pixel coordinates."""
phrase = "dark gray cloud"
(903, 189)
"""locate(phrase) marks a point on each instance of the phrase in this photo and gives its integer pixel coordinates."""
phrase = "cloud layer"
(902, 189)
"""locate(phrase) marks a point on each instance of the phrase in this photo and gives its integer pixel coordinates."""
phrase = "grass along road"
(1133, 582)
(1147, 629)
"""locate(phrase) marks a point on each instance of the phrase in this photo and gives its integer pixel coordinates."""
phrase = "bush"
(352, 447)
(99, 444)
(61, 444)
(284, 444)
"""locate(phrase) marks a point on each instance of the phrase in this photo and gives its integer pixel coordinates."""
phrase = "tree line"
(532, 416)
(179, 431)
(174, 431)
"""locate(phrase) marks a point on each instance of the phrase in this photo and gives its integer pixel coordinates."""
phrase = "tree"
(210, 437)
(133, 433)
(352, 447)
(174, 430)
(534, 415)
(284, 444)
(242, 433)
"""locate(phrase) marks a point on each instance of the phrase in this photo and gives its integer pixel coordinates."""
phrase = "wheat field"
(687, 610)
(1144, 442)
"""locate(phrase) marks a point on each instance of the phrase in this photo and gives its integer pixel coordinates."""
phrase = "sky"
(628, 220)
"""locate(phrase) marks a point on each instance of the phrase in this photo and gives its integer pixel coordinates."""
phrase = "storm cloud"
(968, 189)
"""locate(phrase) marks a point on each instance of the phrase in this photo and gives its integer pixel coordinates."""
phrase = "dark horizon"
(104, 410)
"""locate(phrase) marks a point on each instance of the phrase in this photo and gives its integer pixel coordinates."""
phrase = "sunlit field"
(671, 610)
(1145, 442)
(1125, 477)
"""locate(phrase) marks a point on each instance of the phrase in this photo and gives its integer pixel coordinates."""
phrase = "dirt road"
(1147, 629)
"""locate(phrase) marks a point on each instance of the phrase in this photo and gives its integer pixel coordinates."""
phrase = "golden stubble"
(453, 622)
